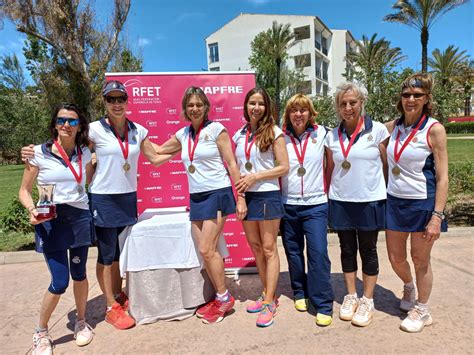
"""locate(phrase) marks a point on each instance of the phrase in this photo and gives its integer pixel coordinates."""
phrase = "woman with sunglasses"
(417, 192)
(204, 145)
(117, 142)
(63, 161)
(356, 169)
(262, 157)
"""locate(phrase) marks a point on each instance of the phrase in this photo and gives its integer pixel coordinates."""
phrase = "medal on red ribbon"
(77, 176)
(398, 153)
(124, 147)
(247, 149)
(346, 165)
(191, 167)
(300, 156)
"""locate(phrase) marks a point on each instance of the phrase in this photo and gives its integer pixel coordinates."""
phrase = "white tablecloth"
(163, 267)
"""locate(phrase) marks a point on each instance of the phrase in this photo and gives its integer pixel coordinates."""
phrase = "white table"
(165, 280)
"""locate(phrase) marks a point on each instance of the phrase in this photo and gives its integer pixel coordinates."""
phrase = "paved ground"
(23, 284)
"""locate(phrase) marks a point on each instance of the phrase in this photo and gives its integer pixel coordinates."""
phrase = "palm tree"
(465, 79)
(373, 58)
(279, 39)
(11, 73)
(422, 14)
(447, 65)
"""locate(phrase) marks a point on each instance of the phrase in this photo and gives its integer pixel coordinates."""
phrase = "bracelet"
(241, 194)
(439, 214)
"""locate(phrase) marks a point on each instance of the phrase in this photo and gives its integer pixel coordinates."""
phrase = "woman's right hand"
(27, 152)
(241, 209)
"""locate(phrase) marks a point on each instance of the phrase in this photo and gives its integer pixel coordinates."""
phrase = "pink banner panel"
(155, 102)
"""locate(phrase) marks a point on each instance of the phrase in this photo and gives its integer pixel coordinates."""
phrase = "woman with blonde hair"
(306, 210)
(356, 168)
(262, 158)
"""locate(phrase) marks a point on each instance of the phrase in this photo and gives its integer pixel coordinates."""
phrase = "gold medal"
(346, 165)
(248, 166)
(301, 171)
(126, 166)
(191, 169)
(396, 170)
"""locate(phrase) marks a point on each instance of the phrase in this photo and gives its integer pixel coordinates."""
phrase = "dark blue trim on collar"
(191, 128)
(368, 124)
(47, 149)
(289, 130)
(401, 121)
(131, 126)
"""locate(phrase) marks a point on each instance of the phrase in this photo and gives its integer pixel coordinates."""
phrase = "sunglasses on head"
(407, 95)
(116, 100)
(73, 122)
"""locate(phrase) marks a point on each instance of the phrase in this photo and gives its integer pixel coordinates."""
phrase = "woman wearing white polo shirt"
(356, 159)
(118, 143)
(417, 192)
(63, 161)
(204, 145)
(306, 210)
(262, 157)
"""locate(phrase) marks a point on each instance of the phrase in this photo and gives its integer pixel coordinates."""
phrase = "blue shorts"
(72, 228)
(108, 244)
(409, 215)
(205, 205)
(364, 216)
(265, 205)
(114, 210)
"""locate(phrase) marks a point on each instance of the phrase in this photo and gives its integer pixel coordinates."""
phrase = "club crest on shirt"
(414, 140)
(206, 137)
(314, 140)
(370, 138)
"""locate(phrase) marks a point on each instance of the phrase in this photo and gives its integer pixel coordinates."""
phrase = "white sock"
(422, 306)
(224, 297)
(38, 329)
(410, 284)
(370, 300)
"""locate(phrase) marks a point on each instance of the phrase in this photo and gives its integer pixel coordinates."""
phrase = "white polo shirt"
(53, 170)
(210, 173)
(364, 181)
(110, 177)
(309, 189)
(417, 178)
(260, 160)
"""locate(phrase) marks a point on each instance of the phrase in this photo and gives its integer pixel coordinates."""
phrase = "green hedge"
(461, 178)
(460, 127)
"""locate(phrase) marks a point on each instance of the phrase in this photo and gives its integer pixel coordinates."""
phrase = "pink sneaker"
(202, 310)
(265, 318)
(218, 311)
(256, 306)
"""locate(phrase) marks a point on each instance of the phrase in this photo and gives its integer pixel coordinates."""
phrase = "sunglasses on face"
(116, 100)
(416, 96)
(73, 122)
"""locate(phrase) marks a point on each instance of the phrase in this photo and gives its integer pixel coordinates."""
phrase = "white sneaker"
(364, 314)
(83, 333)
(408, 300)
(416, 320)
(42, 344)
(348, 307)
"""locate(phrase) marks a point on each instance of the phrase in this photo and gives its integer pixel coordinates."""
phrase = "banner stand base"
(238, 271)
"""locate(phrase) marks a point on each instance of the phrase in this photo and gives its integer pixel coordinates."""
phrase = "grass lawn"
(460, 150)
(10, 180)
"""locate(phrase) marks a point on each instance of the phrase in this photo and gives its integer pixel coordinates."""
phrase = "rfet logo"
(151, 123)
(176, 187)
(156, 199)
(138, 90)
(218, 109)
(171, 111)
(155, 174)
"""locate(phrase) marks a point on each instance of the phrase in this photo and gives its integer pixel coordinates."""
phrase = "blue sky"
(171, 34)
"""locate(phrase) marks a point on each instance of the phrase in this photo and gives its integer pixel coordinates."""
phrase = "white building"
(320, 52)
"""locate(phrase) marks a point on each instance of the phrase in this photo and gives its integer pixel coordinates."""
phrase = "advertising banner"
(155, 102)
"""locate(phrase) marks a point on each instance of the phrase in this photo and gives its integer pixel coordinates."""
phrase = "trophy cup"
(45, 206)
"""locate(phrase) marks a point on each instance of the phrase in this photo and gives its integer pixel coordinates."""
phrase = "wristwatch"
(439, 214)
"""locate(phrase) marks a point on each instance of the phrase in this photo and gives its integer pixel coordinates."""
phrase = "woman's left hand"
(245, 182)
(433, 230)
